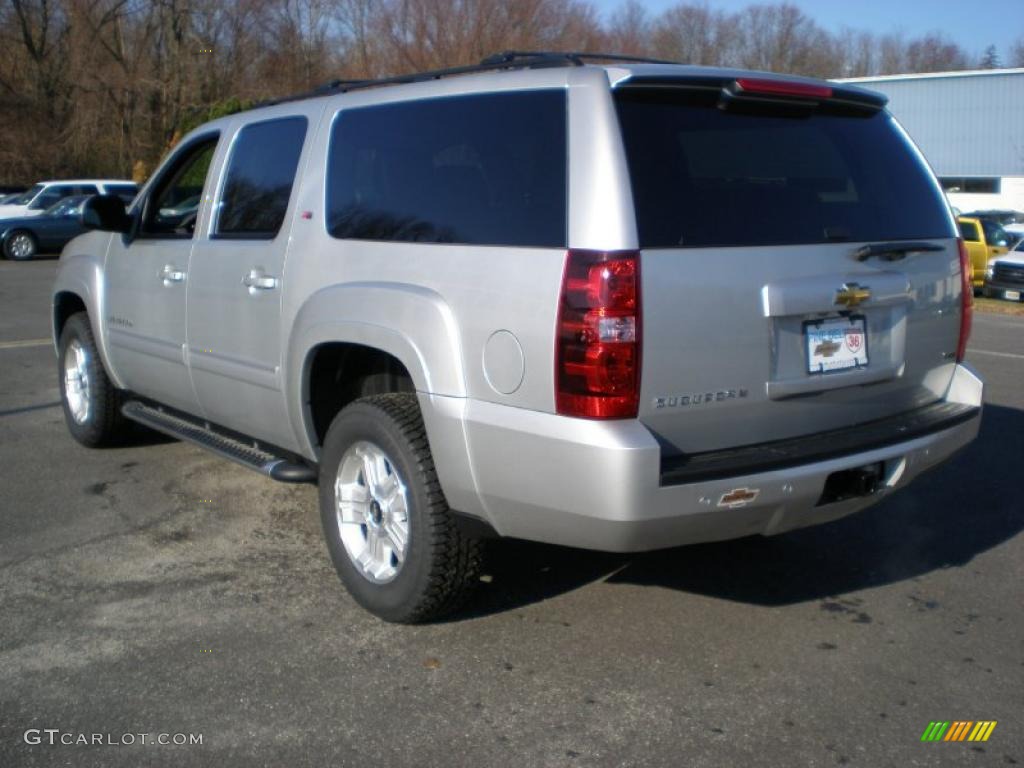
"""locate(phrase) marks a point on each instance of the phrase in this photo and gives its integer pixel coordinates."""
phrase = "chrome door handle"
(170, 274)
(258, 280)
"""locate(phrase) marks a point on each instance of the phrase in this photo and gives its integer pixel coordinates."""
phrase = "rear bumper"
(601, 485)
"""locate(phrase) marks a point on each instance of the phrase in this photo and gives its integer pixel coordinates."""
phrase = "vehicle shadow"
(138, 436)
(944, 519)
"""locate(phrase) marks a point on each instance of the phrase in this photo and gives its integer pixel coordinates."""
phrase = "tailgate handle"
(893, 251)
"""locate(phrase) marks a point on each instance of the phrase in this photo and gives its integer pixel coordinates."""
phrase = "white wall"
(1011, 197)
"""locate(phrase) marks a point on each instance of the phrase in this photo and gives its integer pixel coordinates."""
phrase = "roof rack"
(575, 58)
(497, 61)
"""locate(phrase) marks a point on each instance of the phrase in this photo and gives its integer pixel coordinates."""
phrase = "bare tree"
(1017, 53)
(934, 53)
(695, 34)
(426, 34)
(892, 54)
(857, 53)
(629, 30)
(782, 38)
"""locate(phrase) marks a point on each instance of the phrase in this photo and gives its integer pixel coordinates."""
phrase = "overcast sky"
(974, 24)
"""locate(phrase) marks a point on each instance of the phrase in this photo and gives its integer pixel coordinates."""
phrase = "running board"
(249, 455)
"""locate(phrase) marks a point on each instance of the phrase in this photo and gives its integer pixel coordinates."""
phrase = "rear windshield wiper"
(892, 251)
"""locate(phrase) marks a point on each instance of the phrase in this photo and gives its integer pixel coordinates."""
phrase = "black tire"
(441, 564)
(21, 245)
(102, 422)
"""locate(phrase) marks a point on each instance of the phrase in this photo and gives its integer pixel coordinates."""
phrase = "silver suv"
(620, 307)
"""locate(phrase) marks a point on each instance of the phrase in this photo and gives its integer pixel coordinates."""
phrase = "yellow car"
(985, 240)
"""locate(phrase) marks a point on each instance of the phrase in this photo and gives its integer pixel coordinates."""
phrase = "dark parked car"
(1002, 218)
(23, 238)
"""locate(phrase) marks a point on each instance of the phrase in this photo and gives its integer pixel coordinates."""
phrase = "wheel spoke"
(353, 502)
(377, 546)
(390, 488)
(372, 471)
(396, 539)
(365, 559)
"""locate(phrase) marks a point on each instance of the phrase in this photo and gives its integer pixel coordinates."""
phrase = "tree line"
(105, 87)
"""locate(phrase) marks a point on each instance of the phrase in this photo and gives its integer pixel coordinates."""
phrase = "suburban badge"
(699, 398)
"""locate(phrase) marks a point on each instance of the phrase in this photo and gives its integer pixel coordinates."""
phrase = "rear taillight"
(597, 352)
(764, 87)
(966, 301)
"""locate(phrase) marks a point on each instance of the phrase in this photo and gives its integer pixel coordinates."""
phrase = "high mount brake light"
(597, 348)
(966, 301)
(763, 87)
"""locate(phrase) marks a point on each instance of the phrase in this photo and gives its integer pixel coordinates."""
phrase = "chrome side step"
(249, 455)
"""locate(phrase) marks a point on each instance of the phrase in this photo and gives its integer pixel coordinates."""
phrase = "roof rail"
(577, 58)
(497, 61)
(334, 86)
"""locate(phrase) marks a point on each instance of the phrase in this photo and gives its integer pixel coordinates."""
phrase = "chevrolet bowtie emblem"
(852, 295)
(738, 497)
(827, 348)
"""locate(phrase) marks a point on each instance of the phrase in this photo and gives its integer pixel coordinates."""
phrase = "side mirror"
(105, 213)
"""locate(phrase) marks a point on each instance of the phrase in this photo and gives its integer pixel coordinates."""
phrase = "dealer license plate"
(836, 344)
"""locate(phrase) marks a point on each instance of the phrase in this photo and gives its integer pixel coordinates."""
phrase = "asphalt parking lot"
(155, 589)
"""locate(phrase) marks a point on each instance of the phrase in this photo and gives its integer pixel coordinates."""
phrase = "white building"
(970, 127)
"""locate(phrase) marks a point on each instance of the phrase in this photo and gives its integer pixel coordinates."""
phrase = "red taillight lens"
(597, 353)
(783, 88)
(966, 301)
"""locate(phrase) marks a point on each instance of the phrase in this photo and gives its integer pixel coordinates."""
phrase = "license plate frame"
(831, 344)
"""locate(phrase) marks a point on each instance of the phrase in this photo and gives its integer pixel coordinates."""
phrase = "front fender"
(80, 272)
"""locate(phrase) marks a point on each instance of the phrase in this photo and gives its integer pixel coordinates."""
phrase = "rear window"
(483, 170)
(703, 177)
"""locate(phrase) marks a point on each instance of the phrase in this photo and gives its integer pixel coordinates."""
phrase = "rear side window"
(259, 179)
(484, 170)
(970, 231)
(703, 177)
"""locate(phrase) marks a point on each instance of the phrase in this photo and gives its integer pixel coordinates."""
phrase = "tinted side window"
(970, 231)
(51, 195)
(994, 234)
(703, 176)
(182, 180)
(484, 170)
(125, 191)
(86, 189)
(259, 179)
